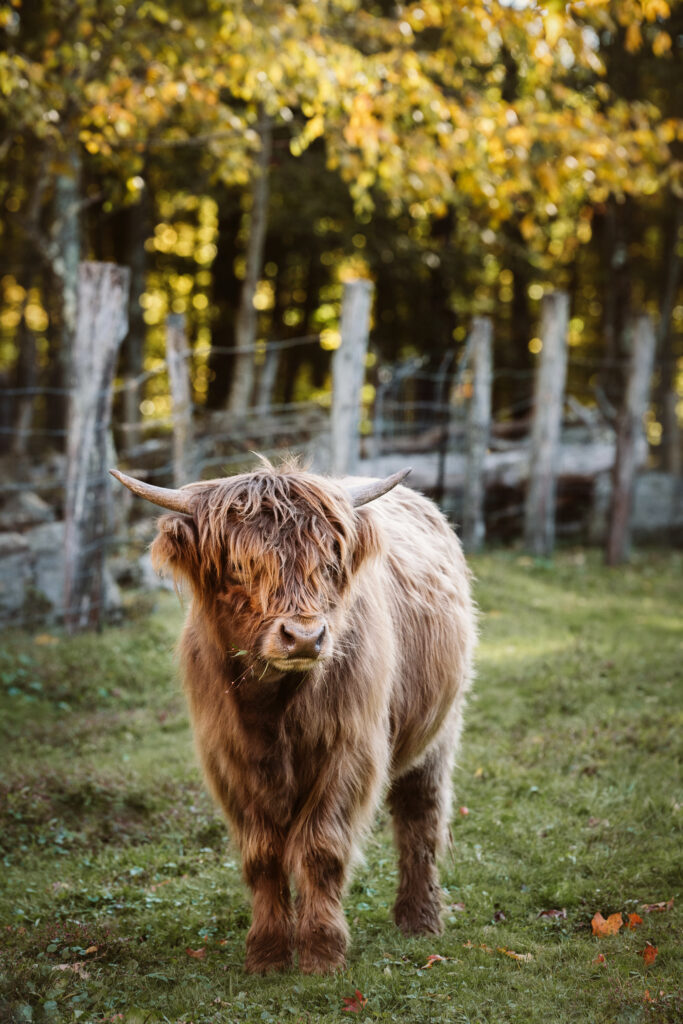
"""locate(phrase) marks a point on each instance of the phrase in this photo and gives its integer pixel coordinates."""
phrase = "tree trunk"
(539, 512)
(177, 361)
(134, 344)
(242, 386)
(667, 395)
(629, 437)
(348, 371)
(478, 431)
(102, 324)
(66, 246)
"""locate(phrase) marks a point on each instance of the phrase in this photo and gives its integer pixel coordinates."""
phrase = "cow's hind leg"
(420, 805)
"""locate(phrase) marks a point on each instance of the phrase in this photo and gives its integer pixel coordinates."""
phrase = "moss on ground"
(116, 865)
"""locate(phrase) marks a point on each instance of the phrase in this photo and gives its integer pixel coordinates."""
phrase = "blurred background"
(379, 234)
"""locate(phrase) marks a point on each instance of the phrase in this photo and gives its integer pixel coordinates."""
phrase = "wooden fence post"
(539, 512)
(629, 436)
(348, 370)
(478, 432)
(177, 355)
(101, 326)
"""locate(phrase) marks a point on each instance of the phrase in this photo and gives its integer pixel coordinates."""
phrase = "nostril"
(319, 639)
(288, 638)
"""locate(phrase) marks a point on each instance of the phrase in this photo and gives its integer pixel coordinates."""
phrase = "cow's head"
(270, 556)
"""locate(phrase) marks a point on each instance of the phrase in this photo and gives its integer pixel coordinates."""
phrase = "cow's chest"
(282, 756)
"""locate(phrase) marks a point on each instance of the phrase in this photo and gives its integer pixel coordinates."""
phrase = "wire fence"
(412, 414)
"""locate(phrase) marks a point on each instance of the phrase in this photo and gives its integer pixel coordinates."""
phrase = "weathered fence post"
(539, 512)
(101, 326)
(266, 380)
(348, 369)
(629, 438)
(177, 355)
(478, 432)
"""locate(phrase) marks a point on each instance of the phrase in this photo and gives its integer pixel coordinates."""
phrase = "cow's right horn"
(166, 497)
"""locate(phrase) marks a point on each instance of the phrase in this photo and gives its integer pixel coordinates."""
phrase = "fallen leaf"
(499, 916)
(651, 908)
(594, 822)
(649, 954)
(354, 1003)
(463, 811)
(44, 639)
(600, 959)
(198, 954)
(77, 968)
(633, 921)
(602, 928)
(477, 945)
(456, 906)
(432, 959)
(554, 913)
(524, 957)
(91, 949)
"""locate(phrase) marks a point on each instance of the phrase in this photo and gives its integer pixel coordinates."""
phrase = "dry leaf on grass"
(554, 913)
(633, 921)
(77, 968)
(600, 959)
(649, 954)
(354, 1003)
(523, 957)
(198, 954)
(659, 908)
(602, 928)
(432, 959)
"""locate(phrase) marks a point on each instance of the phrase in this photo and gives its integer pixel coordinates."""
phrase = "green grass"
(115, 862)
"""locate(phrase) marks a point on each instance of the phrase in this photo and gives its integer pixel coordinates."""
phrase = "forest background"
(243, 158)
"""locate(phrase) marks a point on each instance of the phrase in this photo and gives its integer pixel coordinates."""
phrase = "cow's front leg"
(319, 861)
(270, 941)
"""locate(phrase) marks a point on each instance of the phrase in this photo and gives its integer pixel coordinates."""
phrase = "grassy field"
(121, 894)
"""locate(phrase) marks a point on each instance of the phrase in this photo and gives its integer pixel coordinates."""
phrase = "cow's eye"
(237, 572)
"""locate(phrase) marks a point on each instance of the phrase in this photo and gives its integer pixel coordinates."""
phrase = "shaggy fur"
(299, 750)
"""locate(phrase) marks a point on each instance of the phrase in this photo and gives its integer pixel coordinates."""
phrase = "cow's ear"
(176, 546)
(368, 543)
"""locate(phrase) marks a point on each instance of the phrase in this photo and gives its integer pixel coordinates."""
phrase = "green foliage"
(115, 863)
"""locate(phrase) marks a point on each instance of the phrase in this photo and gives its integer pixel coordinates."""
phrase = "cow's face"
(271, 559)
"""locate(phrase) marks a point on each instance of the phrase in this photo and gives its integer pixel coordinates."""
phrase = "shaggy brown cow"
(326, 655)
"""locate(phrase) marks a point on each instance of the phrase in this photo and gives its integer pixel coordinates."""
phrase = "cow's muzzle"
(296, 643)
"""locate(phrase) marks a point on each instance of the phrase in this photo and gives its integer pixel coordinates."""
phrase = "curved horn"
(361, 494)
(176, 501)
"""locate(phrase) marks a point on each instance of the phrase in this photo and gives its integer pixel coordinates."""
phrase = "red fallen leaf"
(456, 906)
(651, 908)
(198, 954)
(600, 959)
(463, 811)
(554, 913)
(603, 928)
(649, 954)
(432, 959)
(354, 1003)
(633, 921)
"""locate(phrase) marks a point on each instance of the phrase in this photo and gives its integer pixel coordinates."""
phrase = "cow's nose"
(302, 639)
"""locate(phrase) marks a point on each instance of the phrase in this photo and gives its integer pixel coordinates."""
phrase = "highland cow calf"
(326, 656)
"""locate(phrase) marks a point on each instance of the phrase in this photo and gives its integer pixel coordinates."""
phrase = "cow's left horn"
(361, 494)
(166, 497)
